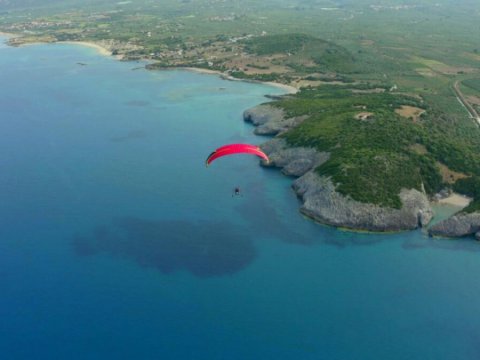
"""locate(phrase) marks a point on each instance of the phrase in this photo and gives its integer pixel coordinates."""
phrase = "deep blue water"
(117, 243)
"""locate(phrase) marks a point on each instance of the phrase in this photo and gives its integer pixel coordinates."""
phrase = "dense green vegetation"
(470, 187)
(371, 156)
(287, 43)
(376, 155)
(259, 77)
(325, 55)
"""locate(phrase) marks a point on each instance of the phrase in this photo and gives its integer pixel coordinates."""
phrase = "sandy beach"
(202, 71)
(288, 88)
(455, 200)
(105, 52)
(101, 50)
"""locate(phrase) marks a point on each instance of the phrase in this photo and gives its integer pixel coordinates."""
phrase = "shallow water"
(117, 242)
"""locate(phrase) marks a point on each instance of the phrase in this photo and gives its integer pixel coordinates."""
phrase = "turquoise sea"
(116, 242)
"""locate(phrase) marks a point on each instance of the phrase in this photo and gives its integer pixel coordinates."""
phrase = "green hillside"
(375, 150)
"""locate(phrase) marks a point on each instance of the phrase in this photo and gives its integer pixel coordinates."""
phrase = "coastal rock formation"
(320, 200)
(270, 120)
(457, 226)
(294, 161)
(322, 203)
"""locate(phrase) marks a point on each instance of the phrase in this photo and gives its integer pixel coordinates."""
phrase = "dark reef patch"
(263, 216)
(205, 249)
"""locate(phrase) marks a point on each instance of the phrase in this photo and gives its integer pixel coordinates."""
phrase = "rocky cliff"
(270, 120)
(320, 200)
(322, 203)
(294, 161)
(458, 226)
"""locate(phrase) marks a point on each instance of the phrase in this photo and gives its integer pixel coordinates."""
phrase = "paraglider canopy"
(232, 149)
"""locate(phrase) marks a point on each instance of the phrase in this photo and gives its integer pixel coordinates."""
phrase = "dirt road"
(473, 113)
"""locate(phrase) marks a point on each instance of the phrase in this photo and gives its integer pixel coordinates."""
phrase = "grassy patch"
(473, 84)
(304, 53)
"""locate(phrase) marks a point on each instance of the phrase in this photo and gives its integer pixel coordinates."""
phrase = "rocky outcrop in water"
(270, 120)
(320, 200)
(458, 226)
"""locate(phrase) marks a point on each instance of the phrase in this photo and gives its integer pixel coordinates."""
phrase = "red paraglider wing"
(231, 146)
(236, 149)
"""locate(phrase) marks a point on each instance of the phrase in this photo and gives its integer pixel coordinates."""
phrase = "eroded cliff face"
(458, 226)
(294, 161)
(270, 120)
(320, 200)
(322, 203)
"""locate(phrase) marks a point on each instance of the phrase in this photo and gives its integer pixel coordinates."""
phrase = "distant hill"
(10, 4)
(302, 48)
(22, 4)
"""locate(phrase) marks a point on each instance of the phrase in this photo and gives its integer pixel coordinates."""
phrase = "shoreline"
(9, 35)
(447, 207)
(456, 200)
(100, 49)
(288, 88)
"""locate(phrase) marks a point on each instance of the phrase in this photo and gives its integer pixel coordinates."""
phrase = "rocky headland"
(321, 201)
(270, 120)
